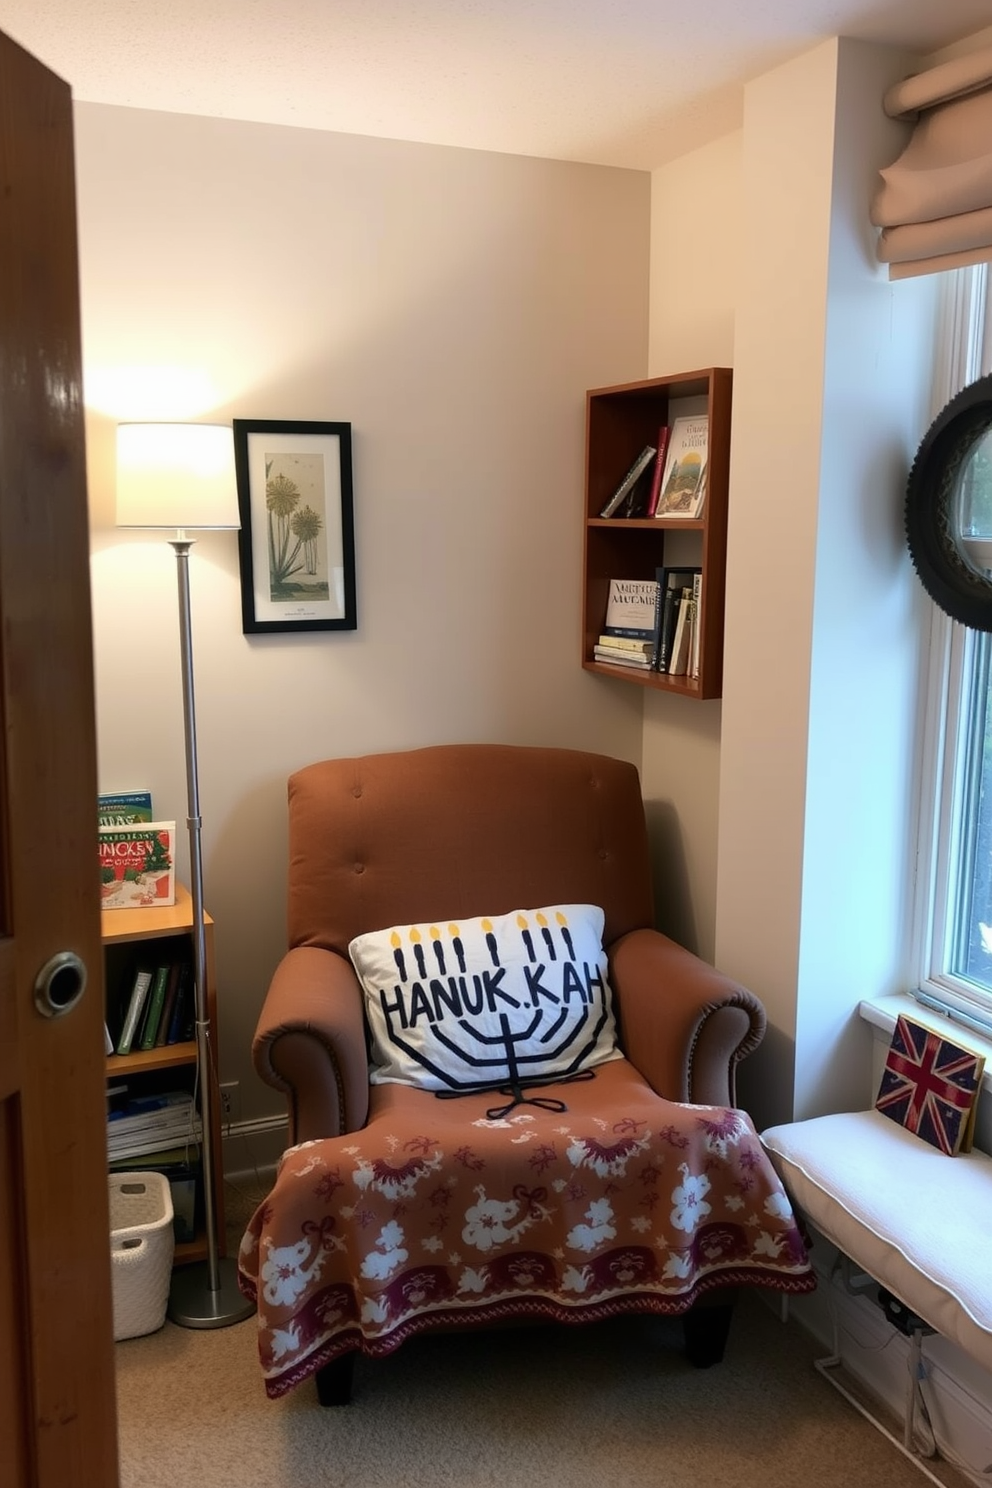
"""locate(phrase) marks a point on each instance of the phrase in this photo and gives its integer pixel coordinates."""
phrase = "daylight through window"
(957, 835)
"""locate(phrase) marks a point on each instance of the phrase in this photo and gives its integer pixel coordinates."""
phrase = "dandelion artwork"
(294, 502)
(297, 532)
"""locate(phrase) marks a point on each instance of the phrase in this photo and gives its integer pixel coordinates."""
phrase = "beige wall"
(695, 221)
(453, 306)
(696, 207)
(789, 806)
(817, 787)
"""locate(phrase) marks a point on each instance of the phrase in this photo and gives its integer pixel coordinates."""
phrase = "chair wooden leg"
(334, 1381)
(706, 1328)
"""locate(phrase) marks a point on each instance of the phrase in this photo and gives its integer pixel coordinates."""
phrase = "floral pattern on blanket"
(434, 1215)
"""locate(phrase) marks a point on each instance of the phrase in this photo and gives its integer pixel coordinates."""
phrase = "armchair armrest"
(310, 1043)
(683, 1024)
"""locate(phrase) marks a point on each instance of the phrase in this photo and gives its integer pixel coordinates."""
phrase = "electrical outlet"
(230, 1102)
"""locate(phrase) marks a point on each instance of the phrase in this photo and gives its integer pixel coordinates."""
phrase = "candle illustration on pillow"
(438, 948)
(526, 936)
(565, 935)
(456, 946)
(394, 941)
(418, 951)
(487, 926)
(548, 941)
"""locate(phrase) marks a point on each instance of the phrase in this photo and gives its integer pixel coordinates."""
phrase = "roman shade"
(934, 204)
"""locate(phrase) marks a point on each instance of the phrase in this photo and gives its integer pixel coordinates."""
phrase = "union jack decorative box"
(930, 1086)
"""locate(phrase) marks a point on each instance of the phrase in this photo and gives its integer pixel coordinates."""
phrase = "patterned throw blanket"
(436, 1215)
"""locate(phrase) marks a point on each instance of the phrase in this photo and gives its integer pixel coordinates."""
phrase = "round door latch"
(59, 984)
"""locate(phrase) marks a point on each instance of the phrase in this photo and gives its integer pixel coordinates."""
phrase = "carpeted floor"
(609, 1406)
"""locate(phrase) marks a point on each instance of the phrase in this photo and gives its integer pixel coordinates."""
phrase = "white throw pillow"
(520, 998)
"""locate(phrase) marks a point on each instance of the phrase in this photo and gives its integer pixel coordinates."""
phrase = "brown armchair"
(462, 831)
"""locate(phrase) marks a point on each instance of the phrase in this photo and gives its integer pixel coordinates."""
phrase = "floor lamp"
(180, 477)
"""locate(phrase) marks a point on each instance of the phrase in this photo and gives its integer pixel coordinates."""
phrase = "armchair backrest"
(455, 831)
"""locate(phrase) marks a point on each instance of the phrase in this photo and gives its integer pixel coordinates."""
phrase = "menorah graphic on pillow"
(508, 1000)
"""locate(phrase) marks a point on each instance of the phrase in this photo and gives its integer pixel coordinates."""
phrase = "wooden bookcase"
(620, 421)
(127, 934)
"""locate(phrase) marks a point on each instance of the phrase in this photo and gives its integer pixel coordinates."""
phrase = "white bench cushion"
(920, 1223)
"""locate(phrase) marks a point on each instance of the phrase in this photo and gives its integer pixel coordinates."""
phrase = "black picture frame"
(297, 541)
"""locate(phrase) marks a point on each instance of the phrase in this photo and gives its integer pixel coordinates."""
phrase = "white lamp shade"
(176, 476)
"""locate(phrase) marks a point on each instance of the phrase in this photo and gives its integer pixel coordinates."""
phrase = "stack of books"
(136, 854)
(151, 1124)
(627, 637)
(624, 651)
(653, 624)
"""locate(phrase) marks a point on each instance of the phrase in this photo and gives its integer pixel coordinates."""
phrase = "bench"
(917, 1222)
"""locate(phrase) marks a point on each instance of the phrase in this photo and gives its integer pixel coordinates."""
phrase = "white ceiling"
(613, 82)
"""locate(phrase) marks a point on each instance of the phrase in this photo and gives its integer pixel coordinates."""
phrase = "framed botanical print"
(297, 542)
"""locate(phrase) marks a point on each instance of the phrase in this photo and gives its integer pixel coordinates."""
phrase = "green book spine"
(156, 1000)
(168, 1006)
(178, 1020)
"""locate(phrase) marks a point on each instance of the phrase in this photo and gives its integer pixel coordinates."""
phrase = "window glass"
(969, 939)
(956, 835)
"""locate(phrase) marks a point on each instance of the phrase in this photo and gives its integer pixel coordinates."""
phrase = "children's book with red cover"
(137, 865)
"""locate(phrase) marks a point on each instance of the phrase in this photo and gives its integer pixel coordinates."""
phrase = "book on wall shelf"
(697, 610)
(617, 656)
(625, 643)
(629, 481)
(137, 865)
(671, 584)
(636, 502)
(683, 485)
(678, 658)
(631, 611)
(658, 470)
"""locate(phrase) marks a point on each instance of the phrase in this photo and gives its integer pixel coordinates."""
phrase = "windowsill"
(882, 1012)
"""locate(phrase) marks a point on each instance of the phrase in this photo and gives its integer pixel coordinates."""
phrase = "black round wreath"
(950, 569)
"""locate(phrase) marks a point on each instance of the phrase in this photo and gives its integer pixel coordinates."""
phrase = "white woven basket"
(142, 1245)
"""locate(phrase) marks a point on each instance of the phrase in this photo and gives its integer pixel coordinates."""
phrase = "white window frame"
(945, 771)
(964, 355)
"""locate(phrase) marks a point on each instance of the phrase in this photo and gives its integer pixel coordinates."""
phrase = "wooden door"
(57, 1407)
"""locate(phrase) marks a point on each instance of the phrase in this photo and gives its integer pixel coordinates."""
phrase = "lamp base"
(192, 1303)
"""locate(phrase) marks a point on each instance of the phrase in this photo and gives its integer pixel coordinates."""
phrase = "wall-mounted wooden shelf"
(620, 421)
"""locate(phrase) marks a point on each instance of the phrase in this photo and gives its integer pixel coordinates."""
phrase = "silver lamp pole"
(179, 477)
(204, 1295)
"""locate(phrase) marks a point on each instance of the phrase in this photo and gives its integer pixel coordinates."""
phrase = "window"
(956, 826)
